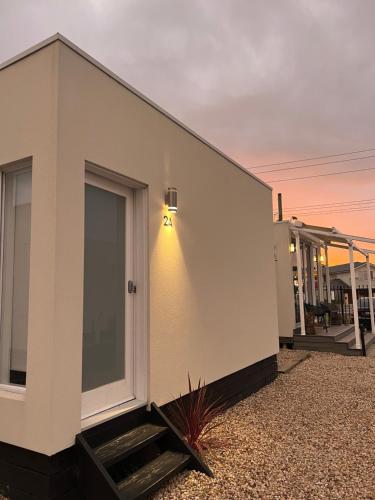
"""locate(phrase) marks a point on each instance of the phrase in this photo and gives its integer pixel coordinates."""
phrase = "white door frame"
(137, 343)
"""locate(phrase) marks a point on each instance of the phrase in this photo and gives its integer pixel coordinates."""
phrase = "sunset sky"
(265, 81)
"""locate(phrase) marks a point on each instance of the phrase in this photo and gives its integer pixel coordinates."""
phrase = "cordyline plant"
(193, 415)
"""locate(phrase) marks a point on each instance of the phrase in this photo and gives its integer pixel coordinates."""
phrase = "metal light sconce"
(320, 258)
(171, 202)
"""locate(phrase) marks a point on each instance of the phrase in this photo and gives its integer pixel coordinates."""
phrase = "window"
(104, 288)
(15, 263)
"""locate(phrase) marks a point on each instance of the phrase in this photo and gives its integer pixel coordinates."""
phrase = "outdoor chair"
(310, 319)
(323, 314)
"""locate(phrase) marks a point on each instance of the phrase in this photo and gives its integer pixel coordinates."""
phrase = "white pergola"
(325, 238)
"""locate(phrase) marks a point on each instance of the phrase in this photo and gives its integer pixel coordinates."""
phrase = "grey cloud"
(262, 79)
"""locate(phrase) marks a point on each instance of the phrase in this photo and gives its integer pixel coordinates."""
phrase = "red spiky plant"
(193, 415)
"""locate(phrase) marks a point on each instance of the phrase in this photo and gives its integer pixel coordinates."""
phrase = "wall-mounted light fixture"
(292, 247)
(171, 199)
(321, 259)
(171, 202)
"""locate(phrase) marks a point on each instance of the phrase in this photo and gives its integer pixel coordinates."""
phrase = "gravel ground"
(289, 359)
(308, 435)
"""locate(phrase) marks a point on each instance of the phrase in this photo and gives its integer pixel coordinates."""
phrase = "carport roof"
(327, 235)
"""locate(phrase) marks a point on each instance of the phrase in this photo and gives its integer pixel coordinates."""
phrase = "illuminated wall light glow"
(321, 259)
(292, 247)
(167, 221)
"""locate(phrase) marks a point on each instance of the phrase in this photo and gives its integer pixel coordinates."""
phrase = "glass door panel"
(104, 289)
(107, 365)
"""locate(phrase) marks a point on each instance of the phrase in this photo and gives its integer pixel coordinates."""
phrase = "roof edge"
(357, 265)
(58, 37)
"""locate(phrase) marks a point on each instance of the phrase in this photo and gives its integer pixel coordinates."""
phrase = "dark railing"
(342, 305)
(342, 302)
(296, 305)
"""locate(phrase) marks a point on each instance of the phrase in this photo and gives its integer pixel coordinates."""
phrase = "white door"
(108, 314)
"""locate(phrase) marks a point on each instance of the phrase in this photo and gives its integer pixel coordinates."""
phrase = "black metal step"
(150, 477)
(131, 455)
(120, 447)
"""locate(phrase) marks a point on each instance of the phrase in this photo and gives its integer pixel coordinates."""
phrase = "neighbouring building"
(342, 272)
(109, 298)
(305, 291)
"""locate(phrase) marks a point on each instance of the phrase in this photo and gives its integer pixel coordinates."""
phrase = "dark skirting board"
(239, 385)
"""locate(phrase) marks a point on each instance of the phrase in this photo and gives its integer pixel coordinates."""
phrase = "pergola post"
(300, 284)
(312, 274)
(354, 298)
(328, 278)
(305, 273)
(370, 301)
(320, 275)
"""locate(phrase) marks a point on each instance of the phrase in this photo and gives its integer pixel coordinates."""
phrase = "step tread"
(344, 333)
(349, 338)
(121, 446)
(369, 339)
(334, 337)
(149, 477)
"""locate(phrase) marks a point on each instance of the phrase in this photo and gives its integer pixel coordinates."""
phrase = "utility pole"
(280, 206)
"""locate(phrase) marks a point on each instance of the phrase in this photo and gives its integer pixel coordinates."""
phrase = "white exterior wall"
(284, 279)
(28, 128)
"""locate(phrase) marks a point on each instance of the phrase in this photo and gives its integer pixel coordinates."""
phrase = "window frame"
(18, 166)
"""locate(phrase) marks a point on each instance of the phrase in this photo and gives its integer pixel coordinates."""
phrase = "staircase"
(337, 340)
(131, 456)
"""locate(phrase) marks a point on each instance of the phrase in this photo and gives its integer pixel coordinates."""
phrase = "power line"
(304, 214)
(313, 158)
(319, 175)
(364, 200)
(330, 211)
(338, 211)
(316, 164)
(340, 206)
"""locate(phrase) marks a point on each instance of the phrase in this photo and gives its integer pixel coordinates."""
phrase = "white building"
(89, 172)
(342, 272)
